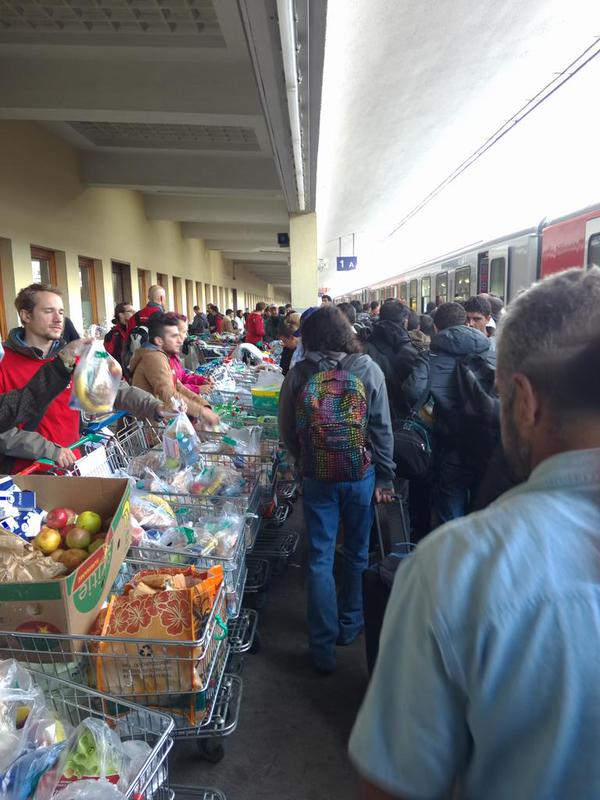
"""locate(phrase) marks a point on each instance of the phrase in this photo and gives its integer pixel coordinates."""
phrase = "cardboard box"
(71, 603)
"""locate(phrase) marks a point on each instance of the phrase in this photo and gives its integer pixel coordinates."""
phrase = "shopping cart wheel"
(210, 750)
(256, 644)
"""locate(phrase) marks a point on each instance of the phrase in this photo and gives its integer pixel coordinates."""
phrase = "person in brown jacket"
(152, 370)
(227, 324)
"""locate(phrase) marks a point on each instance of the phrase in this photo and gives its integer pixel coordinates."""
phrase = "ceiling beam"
(177, 170)
(127, 85)
(247, 233)
(259, 258)
(215, 209)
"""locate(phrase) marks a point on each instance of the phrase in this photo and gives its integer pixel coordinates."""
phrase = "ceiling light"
(287, 32)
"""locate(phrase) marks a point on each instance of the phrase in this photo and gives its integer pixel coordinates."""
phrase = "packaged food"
(180, 443)
(151, 511)
(26, 722)
(92, 752)
(96, 380)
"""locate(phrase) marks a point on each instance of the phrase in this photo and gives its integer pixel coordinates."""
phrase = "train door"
(425, 293)
(592, 243)
(413, 289)
(441, 288)
(492, 272)
(462, 283)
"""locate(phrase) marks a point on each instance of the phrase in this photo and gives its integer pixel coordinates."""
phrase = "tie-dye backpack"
(331, 420)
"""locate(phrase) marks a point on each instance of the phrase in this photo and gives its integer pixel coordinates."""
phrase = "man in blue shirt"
(488, 670)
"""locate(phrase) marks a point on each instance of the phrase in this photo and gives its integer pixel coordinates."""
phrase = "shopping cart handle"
(98, 424)
(34, 467)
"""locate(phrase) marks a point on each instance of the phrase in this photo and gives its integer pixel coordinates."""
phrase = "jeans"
(455, 480)
(324, 505)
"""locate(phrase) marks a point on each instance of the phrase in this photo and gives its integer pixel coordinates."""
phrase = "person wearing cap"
(299, 351)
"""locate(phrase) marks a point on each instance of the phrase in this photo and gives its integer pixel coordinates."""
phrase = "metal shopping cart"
(73, 703)
(186, 679)
(100, 456)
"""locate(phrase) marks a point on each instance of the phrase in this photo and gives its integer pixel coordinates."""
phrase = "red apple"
(59, 517)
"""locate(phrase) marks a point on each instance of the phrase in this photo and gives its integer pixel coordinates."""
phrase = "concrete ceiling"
(183, 100)
(411, 89)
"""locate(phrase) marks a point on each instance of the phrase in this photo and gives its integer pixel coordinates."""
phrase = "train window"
(425, 294)
(441, 288)
(593, 258)
(413, 288)
(403, 294)
(498, 277)
(462, 283)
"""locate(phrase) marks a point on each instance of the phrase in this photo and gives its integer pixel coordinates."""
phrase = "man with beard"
(487, 674)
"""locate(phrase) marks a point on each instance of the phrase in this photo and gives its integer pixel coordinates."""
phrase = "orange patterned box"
(159, 609)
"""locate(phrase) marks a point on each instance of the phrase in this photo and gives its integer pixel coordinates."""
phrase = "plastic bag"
(93, 751)
(91, 790)
(21, 778)
(151, 511)
(180, 443)
(26, 722)
(96, 380)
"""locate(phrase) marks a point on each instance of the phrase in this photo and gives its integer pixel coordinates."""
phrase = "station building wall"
(98, 241)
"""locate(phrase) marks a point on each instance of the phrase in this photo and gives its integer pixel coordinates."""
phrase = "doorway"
(121, 282)
(87, 286)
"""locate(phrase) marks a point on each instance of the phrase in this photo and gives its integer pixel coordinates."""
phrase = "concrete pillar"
(303, 255)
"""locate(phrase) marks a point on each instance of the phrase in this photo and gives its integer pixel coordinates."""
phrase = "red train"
(502, 266)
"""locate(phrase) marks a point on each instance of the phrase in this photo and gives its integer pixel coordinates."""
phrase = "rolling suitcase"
(393, 542)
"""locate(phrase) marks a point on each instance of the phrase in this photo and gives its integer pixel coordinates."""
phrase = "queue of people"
(485, 680)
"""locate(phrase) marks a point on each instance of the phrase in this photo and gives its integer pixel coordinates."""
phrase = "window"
(189, 297)
(143, 285)
(498, 277)
(462, 283)
(207, 294)
(121, 282)
(403, 292)
(177, 295)
(413, 289)
(441, 288)
(87, 286)
(425, 294)
(593, 259)
(43, 266)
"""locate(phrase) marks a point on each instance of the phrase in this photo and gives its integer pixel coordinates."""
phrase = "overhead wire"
(582, 60)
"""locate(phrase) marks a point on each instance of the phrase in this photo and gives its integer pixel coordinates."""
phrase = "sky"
(548, 165)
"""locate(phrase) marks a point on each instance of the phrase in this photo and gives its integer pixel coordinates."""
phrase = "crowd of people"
(485, 676)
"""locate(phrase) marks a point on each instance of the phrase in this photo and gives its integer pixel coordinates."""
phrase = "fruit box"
(69, 604)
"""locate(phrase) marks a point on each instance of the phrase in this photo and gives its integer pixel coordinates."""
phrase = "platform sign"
(346, 263)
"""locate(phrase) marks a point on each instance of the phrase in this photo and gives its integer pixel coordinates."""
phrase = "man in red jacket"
(49, 433)
(255, 325)
(27, 349)
(155, 304)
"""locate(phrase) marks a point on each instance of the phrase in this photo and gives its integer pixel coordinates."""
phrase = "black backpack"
(413, 451)
(479, 415)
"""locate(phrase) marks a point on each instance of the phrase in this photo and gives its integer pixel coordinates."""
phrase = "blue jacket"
(447, 348)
